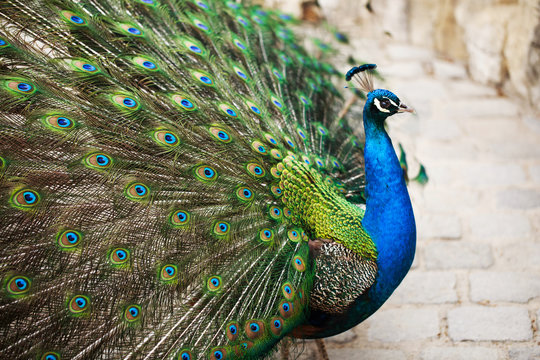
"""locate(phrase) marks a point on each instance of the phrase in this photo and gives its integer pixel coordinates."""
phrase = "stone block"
(494, 286)
(479, 323)
(467, 88)
(524, 353)
(534, 172)
(515, 198)
(499, 225)
(519, 256)
(396, 325)
(403, 52)
(457, 255)
(449, 70)
(426, 287)
(459, 353)
(404, 69)
(471, 108)
(366, 354)
(490, 174)
(445, 226)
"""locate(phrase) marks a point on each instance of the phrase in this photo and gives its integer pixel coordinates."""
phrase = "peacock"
(178, 180)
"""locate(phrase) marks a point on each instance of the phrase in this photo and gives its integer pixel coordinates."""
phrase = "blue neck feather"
(389, 218)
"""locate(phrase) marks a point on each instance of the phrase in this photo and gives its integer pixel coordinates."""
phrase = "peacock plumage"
(176, 183)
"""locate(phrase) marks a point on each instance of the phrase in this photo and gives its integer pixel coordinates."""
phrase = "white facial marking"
(378, 105)
(392, 102)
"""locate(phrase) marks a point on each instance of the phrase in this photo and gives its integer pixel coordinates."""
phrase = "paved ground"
(474, 292)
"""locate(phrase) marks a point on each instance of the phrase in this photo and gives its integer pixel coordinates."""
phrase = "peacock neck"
(389, 218)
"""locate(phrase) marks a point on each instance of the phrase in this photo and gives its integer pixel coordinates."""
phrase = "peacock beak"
(403, 108)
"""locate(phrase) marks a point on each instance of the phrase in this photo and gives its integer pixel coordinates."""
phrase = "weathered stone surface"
(343, 338)
(491, 225)
(478, 323)
(426, 287)
(460, 353)
(457, 255)
(524, 353)
(488, 108)
(519, 198)
(445, 226)
(494, 286)
(396, 325)
(366, 354)
(519, 256)
(449, 70)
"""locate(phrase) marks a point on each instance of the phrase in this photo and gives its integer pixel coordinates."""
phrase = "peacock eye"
(385, 103)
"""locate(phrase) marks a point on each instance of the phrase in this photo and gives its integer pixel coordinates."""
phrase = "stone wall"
(498, 40)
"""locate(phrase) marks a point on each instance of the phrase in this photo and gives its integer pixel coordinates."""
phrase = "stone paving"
(474, 290)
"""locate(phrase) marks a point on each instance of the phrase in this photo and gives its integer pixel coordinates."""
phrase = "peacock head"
(380, 103)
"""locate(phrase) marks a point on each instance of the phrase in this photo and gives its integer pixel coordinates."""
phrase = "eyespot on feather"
(218, 353)
(201, 25)
(220, 134)
(244, 194)
(275, 212)
(276, 154)
(50, 355)
(213, 283)
(299, 264)
(85, 66)
(68, 239)
(276, 102)
(276, 325)
(288, 290)
(306, 160)
(194, 47)
(184, 102)
(254, 329)
(98, 161)
(79, 304)
(119, 256)
(287, 213)
(289, 142)
(286, 309)
(125, 102)
(132, 313)
(232, 330)
(166, 138)
(137, 191)
(256, 170)
(259, 147)
(184, 354)
(73, 18)
(276, 191)
(270, 138)
(241, 73)
(253, 107)
(240, 45)
(294, 235)
(266, 235)
(203, 78)
(131, 30)
(206, 173)
(228, 110)
(20, 86)
(168, 272)
(146, 63)
(275, 172)
(222, 228)
(179, 218)
(25, 199)
(18, 285)
(58, 122)
(3, 43)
